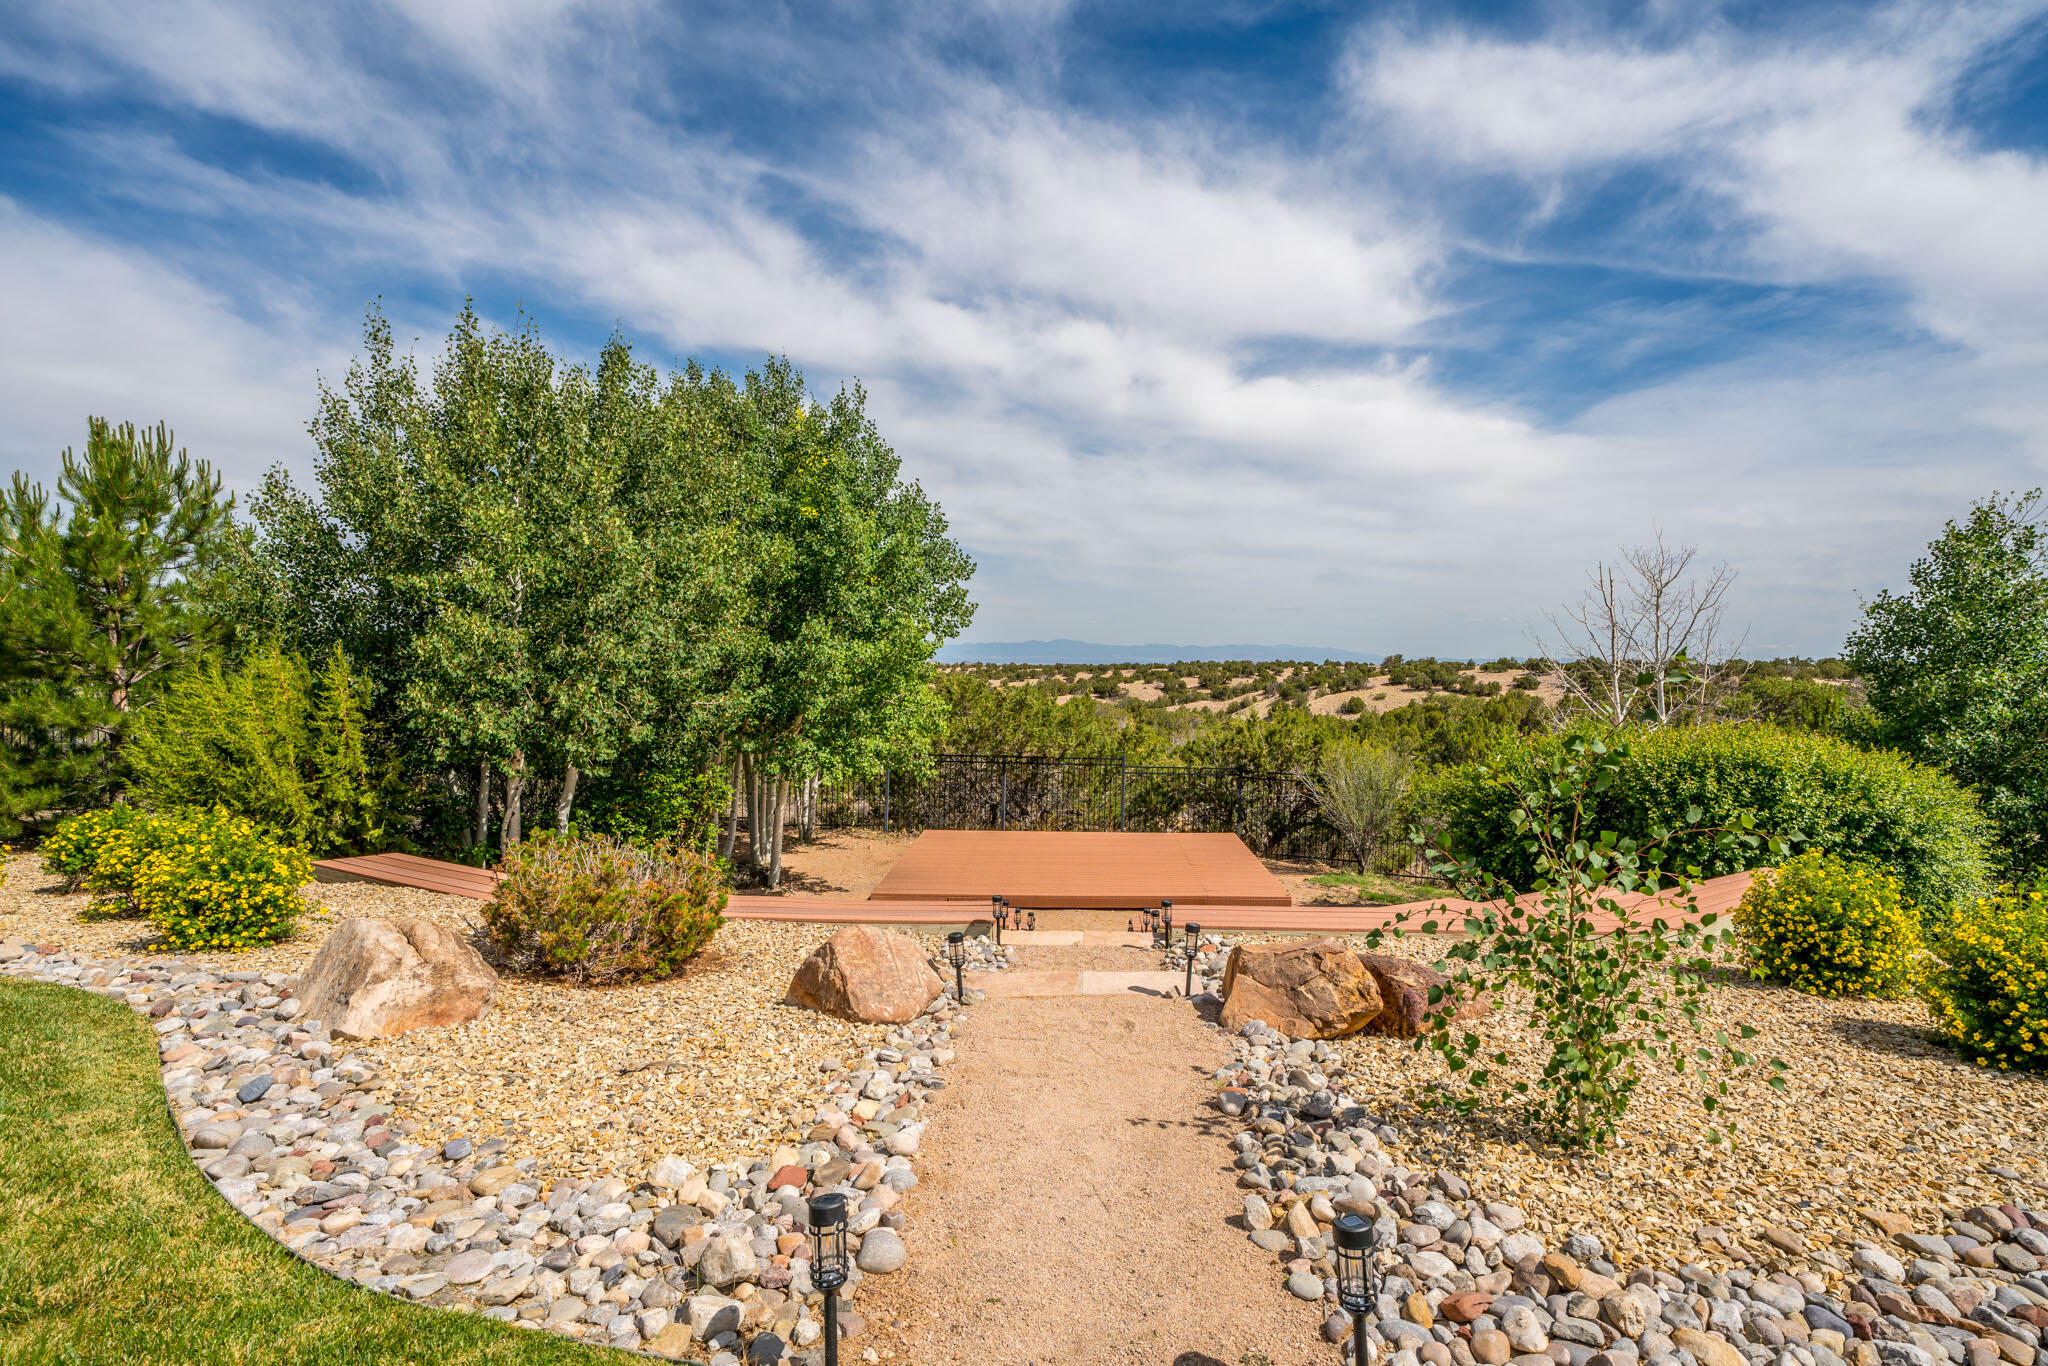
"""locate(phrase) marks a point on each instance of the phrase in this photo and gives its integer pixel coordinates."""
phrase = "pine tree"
(100, 595)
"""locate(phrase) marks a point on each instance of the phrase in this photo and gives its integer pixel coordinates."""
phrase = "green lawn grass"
(113, 1247)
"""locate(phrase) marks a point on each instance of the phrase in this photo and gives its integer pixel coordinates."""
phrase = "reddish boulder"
(1404, 986)
(862, 973)
(378, 977)
(1306, 989)
(1465, 1306)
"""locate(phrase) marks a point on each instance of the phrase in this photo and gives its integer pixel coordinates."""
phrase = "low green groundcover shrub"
(216, 881)
(595, 909)
(1830, 928)
(1989, 985)
(1868, 806)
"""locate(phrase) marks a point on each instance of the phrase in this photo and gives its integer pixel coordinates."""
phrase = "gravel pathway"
(1073, 1199)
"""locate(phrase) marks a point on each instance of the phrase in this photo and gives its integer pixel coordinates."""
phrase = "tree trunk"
(515, 789)
(567, 800)
(807, 809)
(483, 804)
(779, 790)
(732, 816)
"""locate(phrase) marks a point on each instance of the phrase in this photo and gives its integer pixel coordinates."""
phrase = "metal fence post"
(1003, 811)
(1236, 802)
(885, 801)
(1123, 769)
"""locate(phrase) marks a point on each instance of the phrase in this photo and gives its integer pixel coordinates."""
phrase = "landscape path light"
(1166, 913)
(956, 949)
(995, 913)
(1357, 1277)
(1193, 942)
(827, 1215)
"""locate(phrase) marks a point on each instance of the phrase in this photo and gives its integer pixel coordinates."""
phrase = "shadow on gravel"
(1197, 1359)
(1884, 1036)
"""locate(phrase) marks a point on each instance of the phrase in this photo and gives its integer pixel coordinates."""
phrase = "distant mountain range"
(1089, 652)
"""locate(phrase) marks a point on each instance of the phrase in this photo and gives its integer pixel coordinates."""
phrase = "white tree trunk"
(483, 804)
(779, 795)
(565, 802)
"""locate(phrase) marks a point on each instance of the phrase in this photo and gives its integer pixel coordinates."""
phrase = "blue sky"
(1366, 326)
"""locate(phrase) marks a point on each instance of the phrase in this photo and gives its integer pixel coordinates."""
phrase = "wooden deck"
(409, 870)
(1080, 870)
(1716, 896)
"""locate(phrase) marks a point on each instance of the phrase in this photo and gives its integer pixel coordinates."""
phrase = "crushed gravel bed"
(1875, 1115)
(708, 1066)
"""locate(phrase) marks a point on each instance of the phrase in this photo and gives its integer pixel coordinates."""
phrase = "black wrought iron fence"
(1275, 813)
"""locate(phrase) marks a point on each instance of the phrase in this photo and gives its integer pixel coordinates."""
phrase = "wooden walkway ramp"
(1080, 870)
(1715, 896)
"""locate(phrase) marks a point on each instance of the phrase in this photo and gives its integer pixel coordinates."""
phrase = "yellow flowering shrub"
(100, 850)
(1989, 985)
(216, 881)
(1830, 928)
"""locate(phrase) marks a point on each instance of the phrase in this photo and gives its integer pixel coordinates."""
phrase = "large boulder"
(862, 973)
(378, 977)
(1307, 989)
(1404, 986)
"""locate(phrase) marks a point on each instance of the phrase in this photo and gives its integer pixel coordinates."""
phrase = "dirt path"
(1076, 1203)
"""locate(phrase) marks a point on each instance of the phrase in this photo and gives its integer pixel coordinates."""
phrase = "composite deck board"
(1080, 870)
(410, 870)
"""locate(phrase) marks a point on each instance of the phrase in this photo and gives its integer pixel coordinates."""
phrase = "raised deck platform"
(1080, 870)
(410, 870)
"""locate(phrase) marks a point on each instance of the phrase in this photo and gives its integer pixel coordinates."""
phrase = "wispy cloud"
(1054, 307)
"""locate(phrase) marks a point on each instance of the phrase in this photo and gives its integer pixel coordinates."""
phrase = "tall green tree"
(103, 593)
(851, 583)
(514, 552)
(1956, 667)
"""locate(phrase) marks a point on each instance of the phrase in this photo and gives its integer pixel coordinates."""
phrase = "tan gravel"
(1874, 1115)
(1073, 1200)
(707, 1066)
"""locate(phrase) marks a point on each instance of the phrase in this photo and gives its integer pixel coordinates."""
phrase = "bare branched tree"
(1362, 789)
(1646, 641)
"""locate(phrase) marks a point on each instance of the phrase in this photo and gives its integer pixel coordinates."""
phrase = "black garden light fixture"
(1192, 941)
(997, 914)
(1357, 1277)
(827, 1214)
(1166, 914)
(956, 951)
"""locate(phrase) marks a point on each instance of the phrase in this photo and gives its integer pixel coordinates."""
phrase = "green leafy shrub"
(216, 881)
(1829, 927)
(645, 806)
(1608, 1006)
(268, 740)
(1989, 985)
(1869, 806)
(595, 909)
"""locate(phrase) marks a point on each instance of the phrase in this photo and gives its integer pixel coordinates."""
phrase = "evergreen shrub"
(1989, 984)
(594, 909)
(1828, 927)
(269, 740)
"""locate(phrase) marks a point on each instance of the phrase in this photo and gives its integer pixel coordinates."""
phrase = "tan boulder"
(377, 977)
(862, 973)
(1404, 988)
(1307, 989)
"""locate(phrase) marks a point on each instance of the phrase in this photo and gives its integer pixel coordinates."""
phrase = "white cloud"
(1046, 306)
(98, 330)
(1829, 151)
